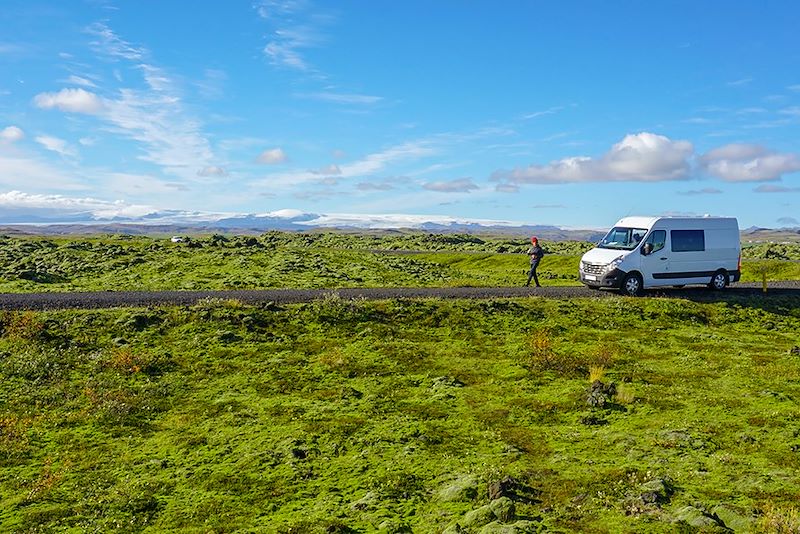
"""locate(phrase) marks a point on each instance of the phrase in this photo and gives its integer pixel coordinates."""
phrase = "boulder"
(733, 518)
(695, 517)
(464, 488)
(503, 509)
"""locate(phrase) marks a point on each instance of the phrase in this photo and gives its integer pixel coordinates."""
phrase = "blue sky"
(565, 113)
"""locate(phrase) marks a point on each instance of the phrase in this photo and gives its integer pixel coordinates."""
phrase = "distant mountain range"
(192, 223)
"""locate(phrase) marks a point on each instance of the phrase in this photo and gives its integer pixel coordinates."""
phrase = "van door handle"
(662, 258)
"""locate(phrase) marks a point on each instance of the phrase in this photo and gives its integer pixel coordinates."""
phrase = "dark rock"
(229, 337)
(649, 496)
(514, 490)
(593, 419)
(599, 394)
(794, 351)
(447, 382)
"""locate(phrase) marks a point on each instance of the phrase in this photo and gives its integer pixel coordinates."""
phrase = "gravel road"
(114, 299)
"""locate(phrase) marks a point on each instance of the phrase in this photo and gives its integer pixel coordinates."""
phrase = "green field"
(400, 416)
(283, 260)
(497, 416)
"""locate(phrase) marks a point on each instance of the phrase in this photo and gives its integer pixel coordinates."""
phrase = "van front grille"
(593, 268)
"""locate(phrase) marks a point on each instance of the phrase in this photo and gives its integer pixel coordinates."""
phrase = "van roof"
(639, 221)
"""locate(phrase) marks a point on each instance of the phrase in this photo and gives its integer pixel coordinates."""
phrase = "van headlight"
(613, 264)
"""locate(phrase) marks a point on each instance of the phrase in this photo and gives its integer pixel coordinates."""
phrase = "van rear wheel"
(631, 285)
(719, 281)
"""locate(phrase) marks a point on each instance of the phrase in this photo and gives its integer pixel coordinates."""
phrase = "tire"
(631, 285)
(719, 281)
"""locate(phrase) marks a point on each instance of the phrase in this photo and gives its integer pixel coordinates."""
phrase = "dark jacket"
(536, 253)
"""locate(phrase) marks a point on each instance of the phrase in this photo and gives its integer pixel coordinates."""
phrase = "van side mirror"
(647, 249)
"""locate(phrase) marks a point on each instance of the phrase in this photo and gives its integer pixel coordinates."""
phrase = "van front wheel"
(719, 281)
(631, 285)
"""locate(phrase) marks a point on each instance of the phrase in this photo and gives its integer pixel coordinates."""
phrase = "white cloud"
(11, 134)
(54, 144)
(212, 170)
(793, 111)
(795, 88)
(642, 157)
(72, 100)
(59, 206)
(460, 185)
(272, 156)
(748, 163)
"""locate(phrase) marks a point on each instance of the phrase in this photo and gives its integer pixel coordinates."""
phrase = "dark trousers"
(533, 274)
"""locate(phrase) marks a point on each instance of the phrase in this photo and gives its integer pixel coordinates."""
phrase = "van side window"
(687, 240)
(657, 238)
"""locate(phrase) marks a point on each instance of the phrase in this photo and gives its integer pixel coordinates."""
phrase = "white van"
(643, 252)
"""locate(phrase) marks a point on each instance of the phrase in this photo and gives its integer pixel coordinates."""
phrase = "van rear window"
(687, 240)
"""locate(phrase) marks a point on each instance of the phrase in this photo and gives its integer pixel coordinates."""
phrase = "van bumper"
(612, 279)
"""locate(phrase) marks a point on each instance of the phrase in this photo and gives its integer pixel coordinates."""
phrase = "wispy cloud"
(771, 188)
(110, 44)
(295, 29)
(19, 170)
(211, 87)
(506, 188)
(154, 116)
(697, 120)
(80, 81)
(536, 114)
(341, 98)
(54, 144)
(704, 191)
(367, 166)
(460, 185)
(739, 82)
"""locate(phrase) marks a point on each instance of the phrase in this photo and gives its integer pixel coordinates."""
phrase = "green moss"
(352, 415)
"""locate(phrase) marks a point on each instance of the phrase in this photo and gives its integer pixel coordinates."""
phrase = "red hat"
(534, 239)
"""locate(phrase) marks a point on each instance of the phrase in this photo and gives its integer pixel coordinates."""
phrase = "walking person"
(536, 253)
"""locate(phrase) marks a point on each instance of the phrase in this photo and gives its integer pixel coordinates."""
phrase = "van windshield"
(622, 238)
